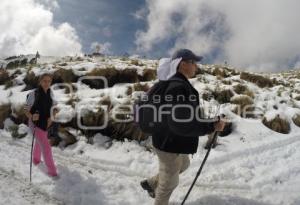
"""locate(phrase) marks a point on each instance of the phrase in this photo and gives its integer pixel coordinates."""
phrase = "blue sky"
(114, 22)
(103, 21)
(260, 35)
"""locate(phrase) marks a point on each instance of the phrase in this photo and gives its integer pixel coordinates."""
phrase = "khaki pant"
(164, 183)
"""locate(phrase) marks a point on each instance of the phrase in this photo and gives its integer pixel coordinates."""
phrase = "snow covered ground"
(252, 166)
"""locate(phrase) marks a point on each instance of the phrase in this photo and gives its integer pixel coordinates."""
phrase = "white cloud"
(50, 4)
(140, 14)
(104, 48)
(27, 26)
(257, 34)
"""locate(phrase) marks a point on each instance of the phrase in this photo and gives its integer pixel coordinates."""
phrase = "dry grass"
(68, 90)
(8, 84)
(207, 95)
(227, 82)
(200, 71)
(122, 112)
(203, 79)
(249, 93)
(17, 63)
(278, 125)
(73, 100)
(63, 64)
(141, 87)
(72, 123)
(23, 62)
(148, 75)
(296, 119)
(220, 72)
(297, 98)
(13, 64)
(5, 111)
(137, 87)
(79, 59)
(19, 114)
(243, 90)
(242, 100)
(121, 131)
(111, 74)
(127, 75)
(124, 59)
(14, 130)
(223, 96)
(231, 71)
(31, 81)
(129, 90)
(115, 130)
(92, 119)
(67, 137)
(136, 62)
(244, 106)
(11, 58)
(33, 61)
(64, 76)
(240, 89)
(107, 102)
(16, 73)
(259, 80)
(113, 77)
(4, 76)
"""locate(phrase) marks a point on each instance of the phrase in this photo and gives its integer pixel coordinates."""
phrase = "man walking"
(182, 129)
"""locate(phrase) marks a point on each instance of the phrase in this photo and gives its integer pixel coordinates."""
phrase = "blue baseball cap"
(186, 54)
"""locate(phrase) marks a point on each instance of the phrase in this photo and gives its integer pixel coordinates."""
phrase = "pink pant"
(42, 146)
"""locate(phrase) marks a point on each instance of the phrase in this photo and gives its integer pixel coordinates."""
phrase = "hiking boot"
(54, 176)
(146, 186)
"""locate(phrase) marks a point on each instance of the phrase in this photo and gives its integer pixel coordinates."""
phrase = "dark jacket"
(42, 105)
(181, 137)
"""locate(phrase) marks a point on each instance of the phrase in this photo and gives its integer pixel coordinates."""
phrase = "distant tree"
(37, 55)
(97, 48)
(126, 54)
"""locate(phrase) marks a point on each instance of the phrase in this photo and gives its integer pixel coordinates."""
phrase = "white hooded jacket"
(167, 68)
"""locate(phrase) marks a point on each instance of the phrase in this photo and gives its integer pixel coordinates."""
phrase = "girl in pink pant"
(42, 146)
(39, 103)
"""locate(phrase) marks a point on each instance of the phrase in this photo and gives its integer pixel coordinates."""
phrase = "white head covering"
(167, 68)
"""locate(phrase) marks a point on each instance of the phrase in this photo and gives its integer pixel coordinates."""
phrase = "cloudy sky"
(262, 35)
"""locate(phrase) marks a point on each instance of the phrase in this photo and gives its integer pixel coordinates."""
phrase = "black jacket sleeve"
(183, 120)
